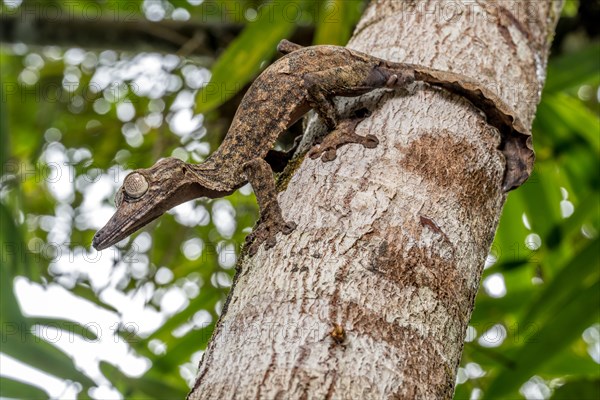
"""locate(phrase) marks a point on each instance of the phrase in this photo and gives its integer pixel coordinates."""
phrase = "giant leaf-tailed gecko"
(305, 78)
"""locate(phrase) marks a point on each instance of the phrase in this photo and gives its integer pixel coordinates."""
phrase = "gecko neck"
(218, 175)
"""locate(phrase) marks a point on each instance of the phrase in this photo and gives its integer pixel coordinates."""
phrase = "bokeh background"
(93, 89)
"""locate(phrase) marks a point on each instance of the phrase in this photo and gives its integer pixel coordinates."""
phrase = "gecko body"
(305, 78)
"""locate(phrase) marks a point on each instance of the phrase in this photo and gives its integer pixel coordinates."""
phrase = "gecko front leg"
(320, 101)
(343, 134)
(259, 174)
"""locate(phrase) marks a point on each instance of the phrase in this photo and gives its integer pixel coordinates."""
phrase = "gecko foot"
(343, 134)
(266, 233)
(271, 222)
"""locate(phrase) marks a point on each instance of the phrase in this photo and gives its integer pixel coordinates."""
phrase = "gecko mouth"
(101, 241)
(104, 238)
(113, 232)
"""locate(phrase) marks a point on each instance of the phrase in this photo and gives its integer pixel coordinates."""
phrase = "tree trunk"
(371, 295)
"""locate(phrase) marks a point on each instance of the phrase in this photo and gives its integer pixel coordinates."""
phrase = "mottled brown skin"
(305, 78)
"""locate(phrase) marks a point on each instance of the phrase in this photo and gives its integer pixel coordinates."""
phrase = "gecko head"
(146, 194)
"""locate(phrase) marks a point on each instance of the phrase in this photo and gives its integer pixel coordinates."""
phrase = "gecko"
(304, 78)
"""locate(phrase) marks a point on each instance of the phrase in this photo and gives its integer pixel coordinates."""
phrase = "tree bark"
(371, 295)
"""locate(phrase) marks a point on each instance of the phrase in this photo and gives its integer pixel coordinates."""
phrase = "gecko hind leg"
(271, 222)
(343, 134)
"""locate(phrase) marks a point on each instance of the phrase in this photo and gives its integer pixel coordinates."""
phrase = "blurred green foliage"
(542, 336)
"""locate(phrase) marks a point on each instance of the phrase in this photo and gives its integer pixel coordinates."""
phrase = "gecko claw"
(288, 228)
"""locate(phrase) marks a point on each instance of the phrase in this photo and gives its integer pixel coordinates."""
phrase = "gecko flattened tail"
(516, 144)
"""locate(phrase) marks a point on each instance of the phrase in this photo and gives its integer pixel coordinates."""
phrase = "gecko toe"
(265, 233)
(329, 155)
(252, 250)
(371, 142)
(270, 242)
(314, 153)
(288, 228)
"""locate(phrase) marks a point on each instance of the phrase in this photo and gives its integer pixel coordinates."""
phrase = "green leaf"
(85, 292)
(4, 138)
(184, 347)
(15, 254)
(585, 212)
(561, 329)
(578, 389)
(20, 390)
(21, 344)
(570, 8)
(148, 386)
(10, 312)
(573, 69)
(335, 21)
(580, 166)
(543, 197)
(572, 363)
(205, 301)
(66, 326)
(511, 233)
(581, 270)
(489, 311)
(563, 118)
(243, 58)
(462, 392)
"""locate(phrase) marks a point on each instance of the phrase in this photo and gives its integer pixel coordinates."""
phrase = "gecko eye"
(135, 185)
